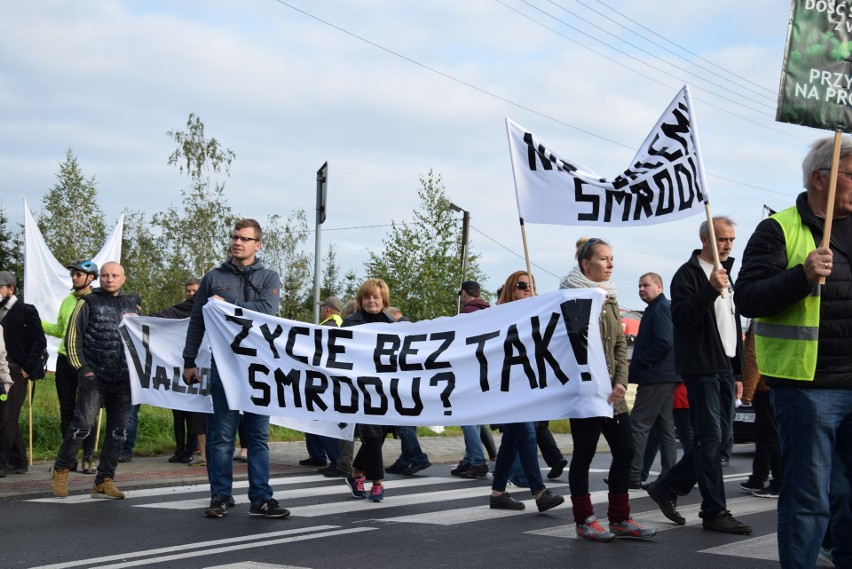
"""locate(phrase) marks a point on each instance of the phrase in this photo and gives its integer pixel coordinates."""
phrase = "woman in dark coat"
(372, 302)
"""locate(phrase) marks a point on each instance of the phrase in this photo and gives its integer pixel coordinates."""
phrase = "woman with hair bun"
(594, 270)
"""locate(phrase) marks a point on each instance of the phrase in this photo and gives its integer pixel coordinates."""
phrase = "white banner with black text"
(154, 351)
(664, 182)
(532, 360)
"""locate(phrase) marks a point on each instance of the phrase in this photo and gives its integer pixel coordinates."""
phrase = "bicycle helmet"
(85, 266)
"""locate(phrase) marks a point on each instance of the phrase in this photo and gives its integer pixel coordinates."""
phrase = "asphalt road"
(431, 520)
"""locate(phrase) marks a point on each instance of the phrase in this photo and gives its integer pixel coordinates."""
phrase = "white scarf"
(576, 279)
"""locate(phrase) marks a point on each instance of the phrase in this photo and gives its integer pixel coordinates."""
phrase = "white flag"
(46, 280)
(664, 182)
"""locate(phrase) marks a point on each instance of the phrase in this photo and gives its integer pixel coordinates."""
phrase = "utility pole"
(465, 227)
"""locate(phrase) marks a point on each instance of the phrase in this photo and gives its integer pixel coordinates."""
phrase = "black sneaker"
(504, 502)
(770, 491)
(125, 458)
(417, 467)
(668, 506)
(20, 469)
(397, 468)
(548, 500)
(269, 509)
(751, 485)
(311, 461)
(724, 522)
(218, 507)
(332, 472)
(476, 472)
(557, 469)
(462, 467)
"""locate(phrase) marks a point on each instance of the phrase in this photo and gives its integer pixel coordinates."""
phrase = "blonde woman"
(594, 270)
(372, 302)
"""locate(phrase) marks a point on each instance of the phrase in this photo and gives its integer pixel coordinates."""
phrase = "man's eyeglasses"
(847, 174)
(521, 285)
(78, 274)
(242, 239)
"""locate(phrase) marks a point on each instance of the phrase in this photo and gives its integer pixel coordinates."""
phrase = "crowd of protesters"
(689, 364)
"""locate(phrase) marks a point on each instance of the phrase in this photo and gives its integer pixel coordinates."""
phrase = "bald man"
(94, 348)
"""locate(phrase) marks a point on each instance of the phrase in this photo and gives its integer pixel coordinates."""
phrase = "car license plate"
(744, 417)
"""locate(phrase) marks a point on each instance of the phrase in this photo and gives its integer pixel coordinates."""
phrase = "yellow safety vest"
(337, 320)
(786, 344)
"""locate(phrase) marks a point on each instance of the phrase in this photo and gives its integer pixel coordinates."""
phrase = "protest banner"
(534, 360)
(153, 348)
(664, 182)
(816, 77)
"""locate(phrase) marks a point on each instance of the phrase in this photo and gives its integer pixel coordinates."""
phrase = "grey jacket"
(254, 288)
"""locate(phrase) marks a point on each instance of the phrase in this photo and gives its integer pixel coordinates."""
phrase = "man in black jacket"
(188, 426)
(25, 344)
(803, 347)
(652, 370)
(95, 350)
(708, 351)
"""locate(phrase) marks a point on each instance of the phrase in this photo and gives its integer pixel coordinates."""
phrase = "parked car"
(744, 424)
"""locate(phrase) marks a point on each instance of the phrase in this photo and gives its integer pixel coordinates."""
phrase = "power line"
(622, 52)
(515, 253)
(692, 53)
(523, 107)
(634, 46)
(450, 77)
(763, 90)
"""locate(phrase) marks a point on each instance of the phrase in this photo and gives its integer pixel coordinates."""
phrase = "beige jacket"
(615, 347)
(4, 363)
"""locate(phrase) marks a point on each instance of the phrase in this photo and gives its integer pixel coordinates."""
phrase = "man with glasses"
(243, 281)
(83, 274)
(803, 347)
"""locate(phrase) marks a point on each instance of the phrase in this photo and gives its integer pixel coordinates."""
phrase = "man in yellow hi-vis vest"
(803, 344)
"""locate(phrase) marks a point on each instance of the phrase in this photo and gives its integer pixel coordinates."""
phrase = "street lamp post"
(465, 227)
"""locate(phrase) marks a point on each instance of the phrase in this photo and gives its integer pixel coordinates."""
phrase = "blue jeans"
(837, 538)
(518, 439)
(473, 454)
(92, 394)
(409, 445)
(323, 448)
(131, 428)
(221, 440)
(812, 424)
(711, 409)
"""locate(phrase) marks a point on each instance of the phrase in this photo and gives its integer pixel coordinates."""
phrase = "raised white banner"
(47, 282)
(532, 360)
(154, 351)
(664, 182)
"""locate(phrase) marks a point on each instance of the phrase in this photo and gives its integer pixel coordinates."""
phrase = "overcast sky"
(387, 90)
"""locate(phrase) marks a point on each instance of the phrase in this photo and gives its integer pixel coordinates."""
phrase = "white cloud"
(287, 93)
